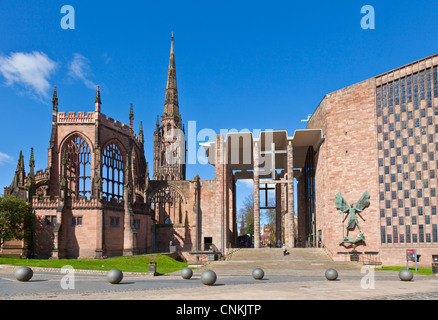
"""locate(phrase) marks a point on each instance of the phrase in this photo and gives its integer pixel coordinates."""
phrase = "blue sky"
(240, 64)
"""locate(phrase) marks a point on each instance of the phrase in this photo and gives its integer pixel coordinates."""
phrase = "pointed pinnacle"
(131, 117)
(31, 161)
(20, 161)
(98, 96)
(55, 96)
(131, 113)
(140, 133)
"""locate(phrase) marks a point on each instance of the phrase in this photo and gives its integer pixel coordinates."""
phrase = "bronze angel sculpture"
(343, 206)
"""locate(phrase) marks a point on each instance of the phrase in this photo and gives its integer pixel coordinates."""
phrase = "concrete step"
(295, 254)
(305, 261)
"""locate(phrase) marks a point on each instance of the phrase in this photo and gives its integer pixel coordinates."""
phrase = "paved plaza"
(297, 276)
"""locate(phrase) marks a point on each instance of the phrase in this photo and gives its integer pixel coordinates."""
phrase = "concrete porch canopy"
(272, 156)
(272, 145)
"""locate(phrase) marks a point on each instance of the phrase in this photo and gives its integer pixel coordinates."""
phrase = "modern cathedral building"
(381, 136)
(365, 167)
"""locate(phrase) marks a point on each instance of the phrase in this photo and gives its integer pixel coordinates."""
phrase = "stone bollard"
(23, 274)
(208, 277)
(114, 276)
(186, 273)
(331, 274)
(405, 275)
(258, 274)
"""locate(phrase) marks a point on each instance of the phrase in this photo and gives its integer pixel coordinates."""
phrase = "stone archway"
(172, 227)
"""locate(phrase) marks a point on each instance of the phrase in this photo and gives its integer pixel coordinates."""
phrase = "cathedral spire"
(171, 107)
(165, 131)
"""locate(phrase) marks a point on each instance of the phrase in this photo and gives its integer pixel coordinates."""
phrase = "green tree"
(247, 212)
(272, 225)
(15, 219)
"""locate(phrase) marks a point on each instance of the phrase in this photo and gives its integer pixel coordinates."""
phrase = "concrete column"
(234, 221)
(218, 222)
(256, 196)
(278, 210)
(301, 211)
(196, 212)
(290, 222)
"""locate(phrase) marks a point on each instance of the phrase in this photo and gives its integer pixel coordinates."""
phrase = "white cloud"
(79, 69)
(248, 183)
(29, 70)
(4, 158)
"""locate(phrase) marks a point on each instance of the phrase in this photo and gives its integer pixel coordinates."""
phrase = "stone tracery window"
(78, 167)
(168, 205)
(112, 172)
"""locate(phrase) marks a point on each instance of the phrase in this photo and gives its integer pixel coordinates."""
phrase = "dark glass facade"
(309, 197)
(407, 140)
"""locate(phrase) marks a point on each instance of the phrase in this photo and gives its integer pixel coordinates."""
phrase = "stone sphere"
(258, 274)
(186, 273)
(23, 274)
(114, 276)
(208, 277)
(405, 275)
(331, 274)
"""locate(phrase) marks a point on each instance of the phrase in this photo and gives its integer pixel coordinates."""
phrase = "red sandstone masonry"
(183, 234)
(95, 234)
(347, 162)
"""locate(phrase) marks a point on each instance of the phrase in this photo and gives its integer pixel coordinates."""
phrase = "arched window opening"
(163, 158)
(112, 173)
(78, 167)
(168, 205)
